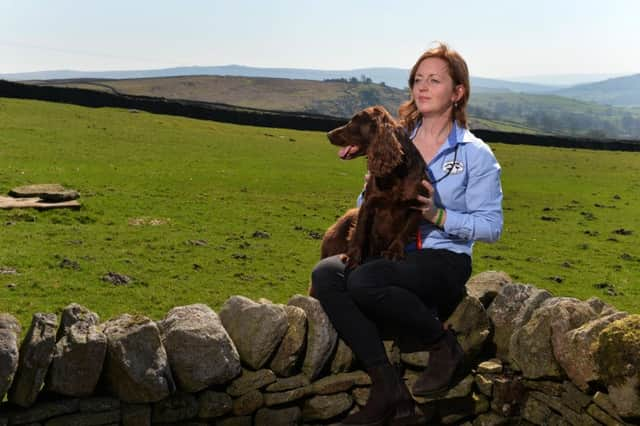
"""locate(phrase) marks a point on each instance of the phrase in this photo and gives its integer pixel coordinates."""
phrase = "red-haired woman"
(412, 297)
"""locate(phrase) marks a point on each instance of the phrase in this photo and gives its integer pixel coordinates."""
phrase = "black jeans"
(404, 300)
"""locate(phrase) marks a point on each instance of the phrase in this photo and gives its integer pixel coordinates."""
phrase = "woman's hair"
(459, 73)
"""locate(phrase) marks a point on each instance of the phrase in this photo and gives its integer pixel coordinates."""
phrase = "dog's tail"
(336, 239)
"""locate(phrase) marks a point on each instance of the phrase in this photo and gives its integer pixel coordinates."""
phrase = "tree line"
(605, 122)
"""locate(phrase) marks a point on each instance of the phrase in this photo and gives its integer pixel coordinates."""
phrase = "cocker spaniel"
(387, 219)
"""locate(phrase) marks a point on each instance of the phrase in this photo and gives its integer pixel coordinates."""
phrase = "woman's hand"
(427, 206)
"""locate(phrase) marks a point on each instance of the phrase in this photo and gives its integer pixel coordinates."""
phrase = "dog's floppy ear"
(385, 151)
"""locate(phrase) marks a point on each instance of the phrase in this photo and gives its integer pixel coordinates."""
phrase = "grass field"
(197, 211)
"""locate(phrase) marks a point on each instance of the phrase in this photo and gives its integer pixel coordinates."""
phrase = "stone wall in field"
(532, 359)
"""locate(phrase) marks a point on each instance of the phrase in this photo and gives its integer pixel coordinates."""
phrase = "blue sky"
(499, 38)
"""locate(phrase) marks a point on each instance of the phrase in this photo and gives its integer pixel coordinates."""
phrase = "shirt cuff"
(455, 224)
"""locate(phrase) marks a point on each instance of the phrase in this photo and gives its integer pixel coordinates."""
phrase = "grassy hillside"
(557, 114)
(337, 98)
(196, 211)
(501, 126)
(621, 91)
(488, 109)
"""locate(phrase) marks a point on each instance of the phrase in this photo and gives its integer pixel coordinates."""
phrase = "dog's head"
(372, 132)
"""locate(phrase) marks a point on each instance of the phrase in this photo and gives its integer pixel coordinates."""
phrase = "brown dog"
(386, 221)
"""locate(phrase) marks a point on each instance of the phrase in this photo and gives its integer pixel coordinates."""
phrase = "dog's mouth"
(348, 152)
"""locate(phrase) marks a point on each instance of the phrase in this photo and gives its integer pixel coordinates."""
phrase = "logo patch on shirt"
(453, 167)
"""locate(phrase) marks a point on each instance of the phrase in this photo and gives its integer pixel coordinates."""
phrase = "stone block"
(199, 349)
(36, 352)
(324, 407)
(213, 404)
(321, 336)
(248, 403)
(251, 380)
(255, 328)
(175, 409)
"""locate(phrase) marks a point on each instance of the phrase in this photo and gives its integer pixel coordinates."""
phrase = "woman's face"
(433, 89)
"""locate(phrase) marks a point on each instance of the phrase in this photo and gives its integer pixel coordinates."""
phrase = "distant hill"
(481, 84)
(558, 114)
(338, 97)
(564, 80)
(621, 91)
(489, 109)
(394, 77)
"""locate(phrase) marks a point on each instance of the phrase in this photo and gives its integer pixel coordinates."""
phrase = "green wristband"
(439, 217)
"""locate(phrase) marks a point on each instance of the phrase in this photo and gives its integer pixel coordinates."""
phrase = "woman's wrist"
(439, 218)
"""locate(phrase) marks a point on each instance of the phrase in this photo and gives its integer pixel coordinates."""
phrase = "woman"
(413, 296)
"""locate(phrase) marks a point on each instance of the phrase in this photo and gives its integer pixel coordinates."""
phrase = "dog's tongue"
(346, 152)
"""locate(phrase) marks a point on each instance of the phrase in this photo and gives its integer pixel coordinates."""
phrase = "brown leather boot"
(389, 399)
(444, 369)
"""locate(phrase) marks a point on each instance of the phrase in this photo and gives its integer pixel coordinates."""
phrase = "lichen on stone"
(617, 351)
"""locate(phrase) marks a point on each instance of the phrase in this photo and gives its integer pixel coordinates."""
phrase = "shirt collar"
(458, 134)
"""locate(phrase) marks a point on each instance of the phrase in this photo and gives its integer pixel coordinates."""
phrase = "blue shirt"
(471, 194)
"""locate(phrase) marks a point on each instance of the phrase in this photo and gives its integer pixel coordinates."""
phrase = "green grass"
(153, 185)
(567, 216)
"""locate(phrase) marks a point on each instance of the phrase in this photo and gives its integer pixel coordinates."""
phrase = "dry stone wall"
(532, 359)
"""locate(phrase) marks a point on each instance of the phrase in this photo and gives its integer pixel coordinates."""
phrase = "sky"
(498, 38)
